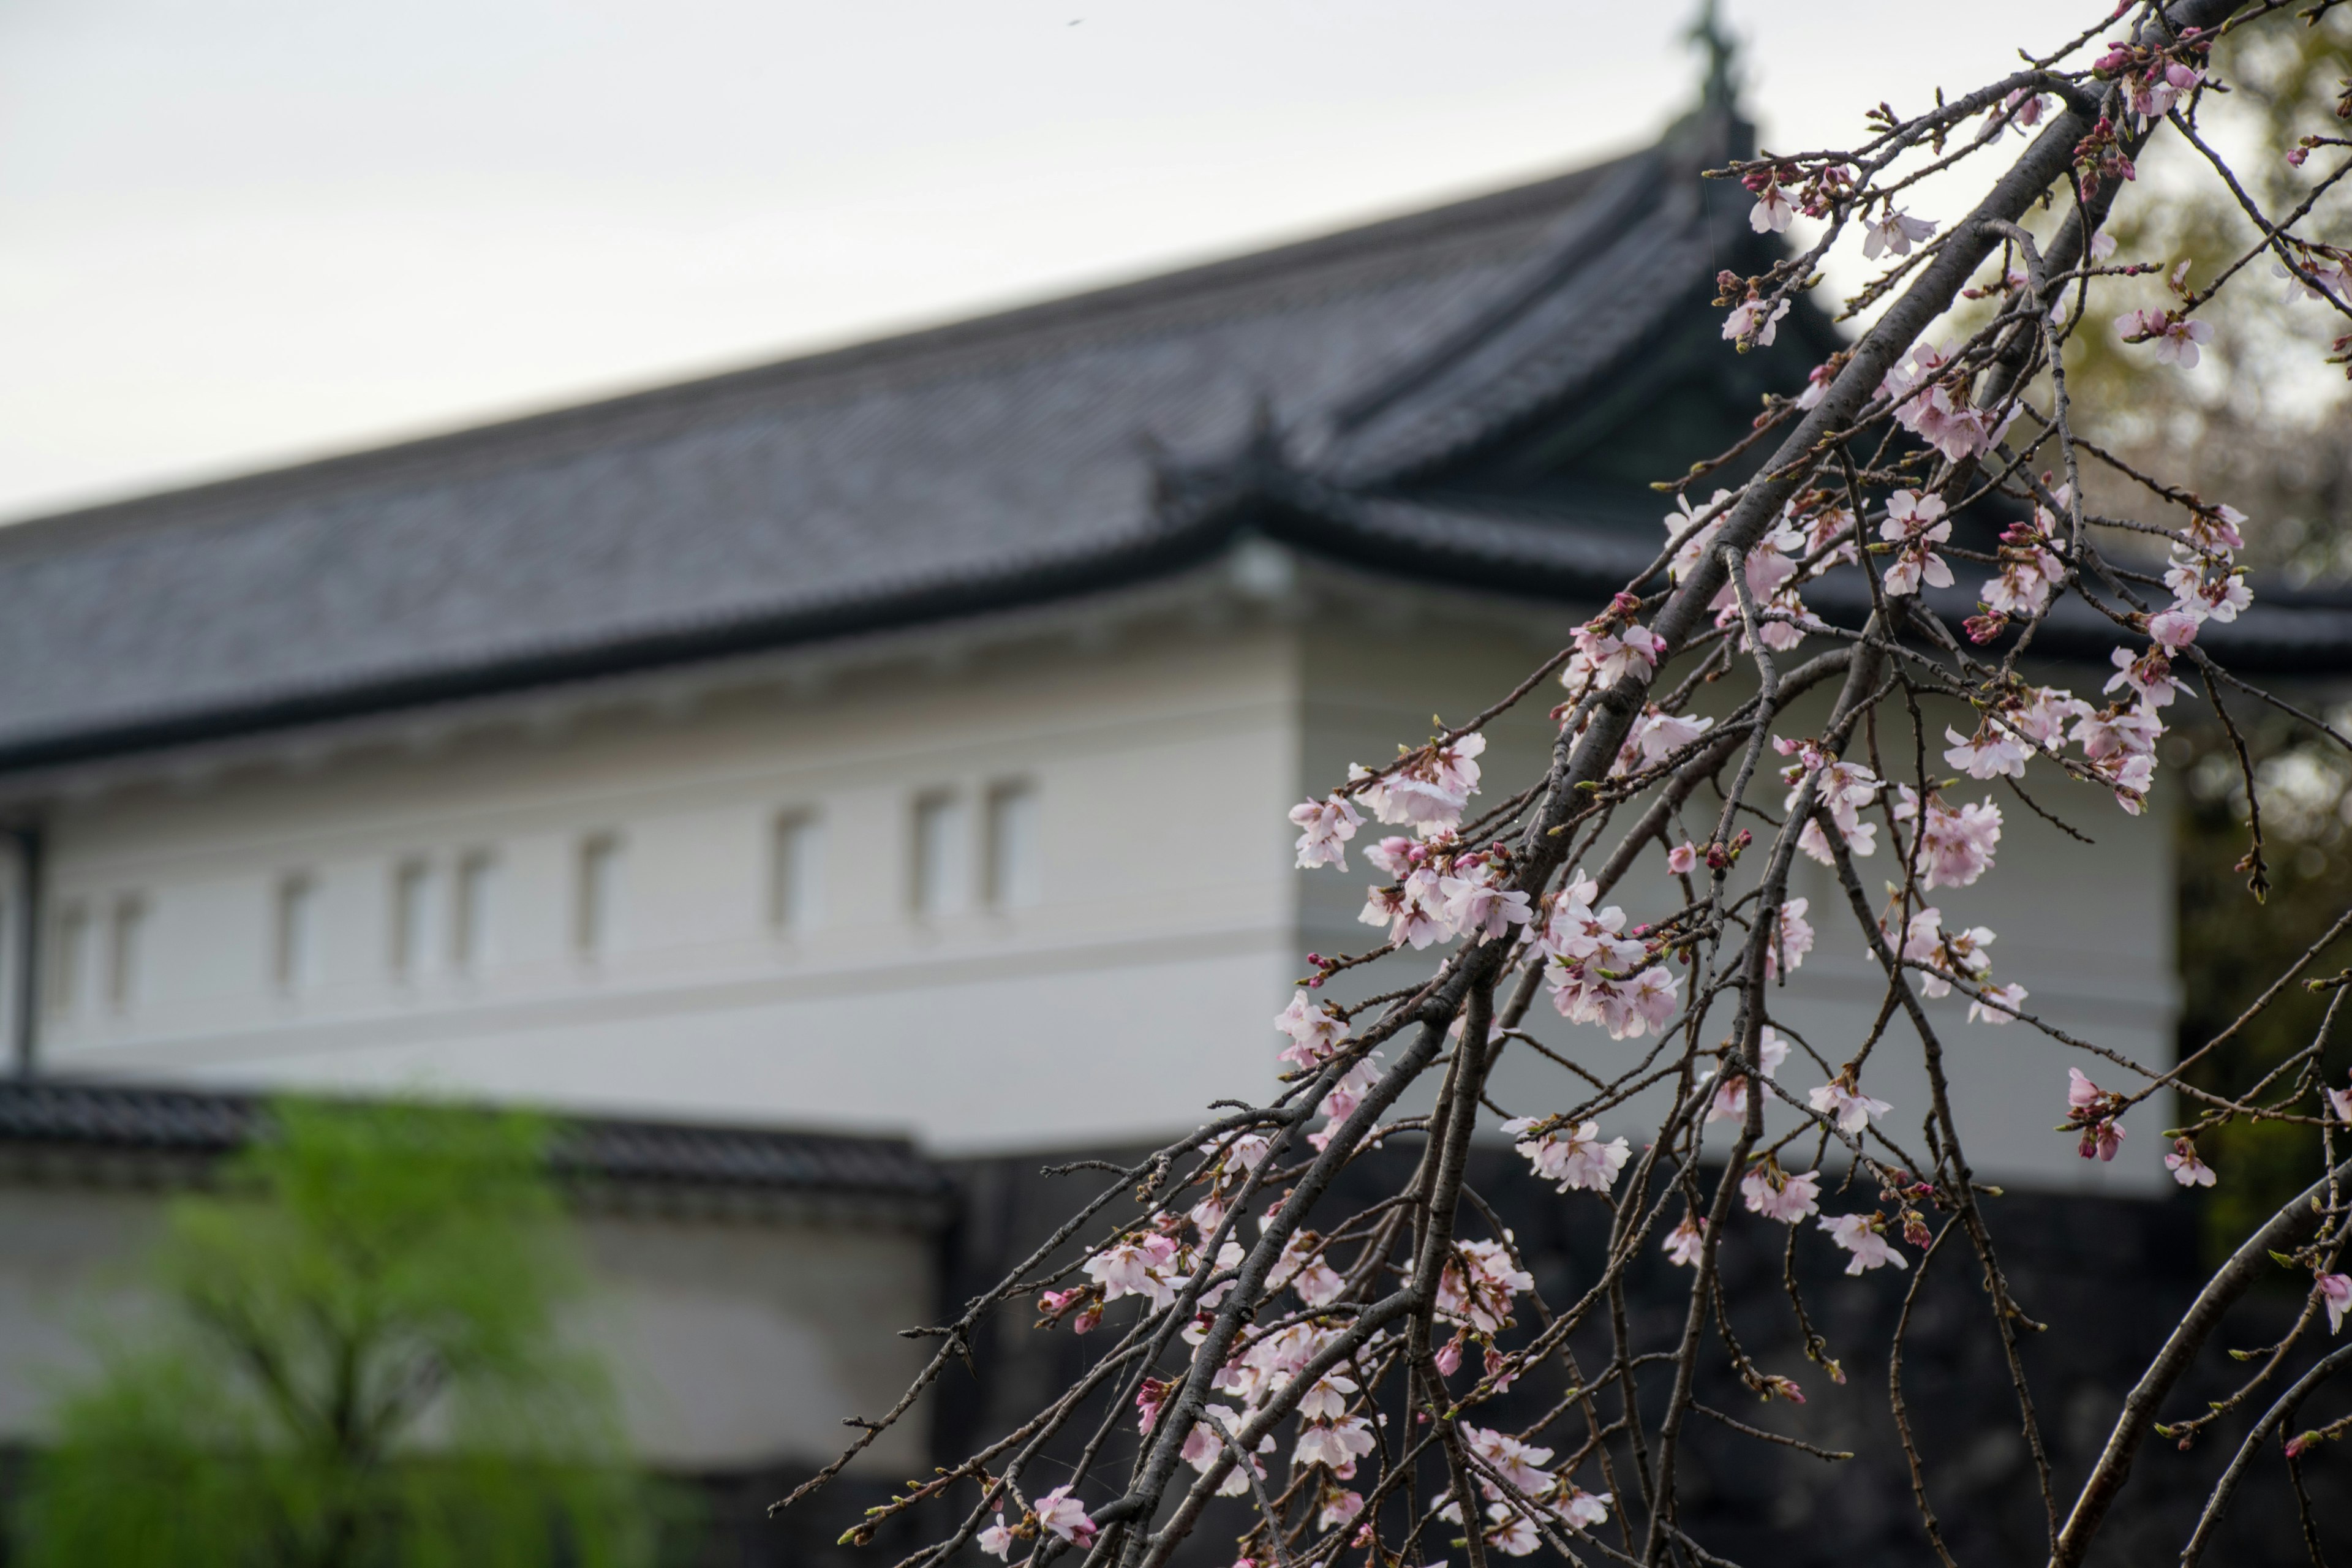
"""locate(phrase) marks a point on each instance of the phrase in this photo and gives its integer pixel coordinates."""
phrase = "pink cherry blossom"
(1791, 942)
(2176, 339)
(2335, 1292)
(1998, 1004)
(1847, 1107)
(1770, 1191)
(2173, 630)
(1860, 1235)
(2149, 678)
(1478, 905)
(2186, 1167)
(1575, 1157)
(1682, 858)
(1339, 1506)
(1683, 1242)
(1336, 1448)
(2044, 718)
(1955, 845)
(1581, 1510)
(997, 1539)
(1730, 1101)
(2093, 1110)
(1659, 735)
(1748, 324)
(1060, 1512)
(1517, 1462)
(1481, 1298)
(2340, 1101)
(1135, 1267)
(1915, 523)
(1893, 231)
(1431, 788)
(1989, 752)
(1772, 210)
(1315, 1032)
(1325, 825)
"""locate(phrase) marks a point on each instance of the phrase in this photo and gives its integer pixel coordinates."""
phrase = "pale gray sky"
(238, 232)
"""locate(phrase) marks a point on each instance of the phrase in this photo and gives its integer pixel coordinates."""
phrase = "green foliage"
(355, 1364)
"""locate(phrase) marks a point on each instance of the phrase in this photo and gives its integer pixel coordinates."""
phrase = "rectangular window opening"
(68, 959)
(597, 911)
(939, 855)
(125, 939)
(796, 886)
(1012, 874)
(412, 919)
(295, 959)
(473, 930)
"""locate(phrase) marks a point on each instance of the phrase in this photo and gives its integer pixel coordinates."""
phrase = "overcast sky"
(238, 232)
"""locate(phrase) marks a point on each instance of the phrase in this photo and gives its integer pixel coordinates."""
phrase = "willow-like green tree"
(354, 1361)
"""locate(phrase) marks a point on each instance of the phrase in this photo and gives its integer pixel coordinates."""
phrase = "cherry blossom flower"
(1772, 210)
(1513, 1534)
(2217, 529)
(1843, 789)
(2025, 107)
(2093, 1110)
(1998, 1005)
(1860, 1234)
(1339, 1506)
(1060, 1512)
(1748, 325)
(2043, 719)
(1479, 904)
(1482, 1297)
(1689, 536)
(1817, 385)
(1915, 523)
(2173, 630)
(1517, 1462)
(1791, 942)
(1576, 1158)
(2176, 339)
(1989, 752)
(1325, 825)
(2148, 677)
(1135, 1267)
(1315, 1032)
(1336, 1448)
(2186, 1167)
(1846, 1106)
(2030, 573)
(1729, 1103)
(1772, 1192)
(1659, 735)
(1645, 1005)
(2335, 1292)
(1608, 656)
(997, 1540)
(1893, 231)
(1581, 1510)
(1684, 1242)
(1683, 858)
(1430, 789)
(2152, 95)
(2340, 1101)
(1956, 846)
(1302, 1267)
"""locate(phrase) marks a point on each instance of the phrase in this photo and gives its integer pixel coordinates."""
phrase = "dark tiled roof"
(1062, 447)
(105, 1119)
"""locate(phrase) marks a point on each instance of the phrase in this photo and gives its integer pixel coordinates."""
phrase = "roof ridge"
(962, 344)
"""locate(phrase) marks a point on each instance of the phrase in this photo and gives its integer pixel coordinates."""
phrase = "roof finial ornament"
(1707, 32)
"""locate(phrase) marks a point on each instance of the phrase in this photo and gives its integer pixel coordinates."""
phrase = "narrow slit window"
(1013, 879)
(474, 930)
(412, 919)
(596, 913)
(939, 855)
(296, 954)
(796, 887)
(68, 959)
(126, 937)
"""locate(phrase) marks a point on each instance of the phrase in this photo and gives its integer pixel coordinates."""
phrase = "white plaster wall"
(732, 1344)
(2087, 929)
(1133, 991)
